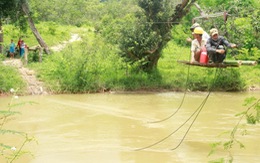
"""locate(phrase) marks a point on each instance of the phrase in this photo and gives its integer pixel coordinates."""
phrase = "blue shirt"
(12, 48)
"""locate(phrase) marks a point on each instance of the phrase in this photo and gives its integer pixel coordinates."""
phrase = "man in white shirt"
(197, 44)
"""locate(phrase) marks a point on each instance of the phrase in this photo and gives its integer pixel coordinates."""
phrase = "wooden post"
(26, 55)
(40, 54)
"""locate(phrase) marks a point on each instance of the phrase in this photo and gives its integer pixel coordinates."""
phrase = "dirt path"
(34, 86)
(59, 47)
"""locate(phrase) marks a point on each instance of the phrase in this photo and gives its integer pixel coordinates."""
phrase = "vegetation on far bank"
(91, 65)
(95, 64)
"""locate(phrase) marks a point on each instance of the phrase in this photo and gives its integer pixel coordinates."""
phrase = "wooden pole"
(40, 54)
(211, 65)
(26, 55)
(248, 63)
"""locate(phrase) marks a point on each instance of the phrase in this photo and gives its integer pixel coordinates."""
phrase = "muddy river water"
(112, 127)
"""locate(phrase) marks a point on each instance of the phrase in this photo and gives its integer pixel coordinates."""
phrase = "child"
(12, 49)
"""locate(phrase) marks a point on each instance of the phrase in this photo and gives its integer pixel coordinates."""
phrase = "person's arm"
(192, 50)
(227, 44)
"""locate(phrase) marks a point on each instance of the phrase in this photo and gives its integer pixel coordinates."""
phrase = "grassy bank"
(10, 78)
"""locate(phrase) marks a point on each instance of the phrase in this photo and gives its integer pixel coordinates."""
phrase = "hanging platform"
(211, 65)
(225, 64)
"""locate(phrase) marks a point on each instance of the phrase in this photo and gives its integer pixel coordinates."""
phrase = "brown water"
(108, 128)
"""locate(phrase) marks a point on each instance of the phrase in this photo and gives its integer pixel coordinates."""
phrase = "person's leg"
(212, 57)
(197, 55)
(11, 55)
(220, 58)
(20, 52)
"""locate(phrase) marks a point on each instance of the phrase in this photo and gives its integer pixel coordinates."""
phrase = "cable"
(199, 109)
(202, 105)
(182, 101)
(170, 133)
(186, 88)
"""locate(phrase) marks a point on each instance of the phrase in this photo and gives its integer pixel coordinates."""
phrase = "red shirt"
(19, 43)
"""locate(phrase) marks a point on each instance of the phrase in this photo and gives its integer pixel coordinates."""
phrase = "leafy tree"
(18, 11)
(144, 38)
(25, 8)
(68, 12)
(242, 26)
(7, 9)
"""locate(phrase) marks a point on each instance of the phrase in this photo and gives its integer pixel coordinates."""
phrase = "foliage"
(244, 54)
(9, 8)
(81, 67)
(11, 152)
(242, 26)
(84, 67)
(10, 78)
(143, 40)
(11, 11)
(252, 116)
(228, 80)
(52, 33)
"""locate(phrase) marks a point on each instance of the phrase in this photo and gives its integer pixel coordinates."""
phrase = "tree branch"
(181, 10)
(202, 13)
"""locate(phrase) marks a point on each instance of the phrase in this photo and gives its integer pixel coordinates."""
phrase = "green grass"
(10, 78)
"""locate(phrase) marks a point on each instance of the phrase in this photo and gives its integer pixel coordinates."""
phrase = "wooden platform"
(211, 65)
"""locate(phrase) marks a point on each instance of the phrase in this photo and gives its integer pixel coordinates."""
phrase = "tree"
(143, 41)
(7, 8)
(25, 8)
(13, 9)
(242, 26)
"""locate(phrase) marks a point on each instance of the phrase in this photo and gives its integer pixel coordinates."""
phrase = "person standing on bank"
(197, 44)
(22, 49)
(12, 49)
(19, 45)
(216, 47)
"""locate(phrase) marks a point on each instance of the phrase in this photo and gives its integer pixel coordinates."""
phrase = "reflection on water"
(108, 128)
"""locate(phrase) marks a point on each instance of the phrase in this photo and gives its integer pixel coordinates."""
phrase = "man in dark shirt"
(216, 47)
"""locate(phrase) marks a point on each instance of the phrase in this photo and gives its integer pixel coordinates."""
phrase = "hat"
(213, 31)
(198, 30)
(194, 26)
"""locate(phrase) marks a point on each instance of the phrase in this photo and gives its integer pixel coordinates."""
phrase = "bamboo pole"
(249, 63)
(212, 65)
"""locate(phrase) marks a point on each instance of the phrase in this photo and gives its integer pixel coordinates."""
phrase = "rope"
(184, 95)
(199, 109)
(182, 101)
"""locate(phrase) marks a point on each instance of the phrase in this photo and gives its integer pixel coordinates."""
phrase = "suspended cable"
(182, 101)
(164, 22)
(199, 109)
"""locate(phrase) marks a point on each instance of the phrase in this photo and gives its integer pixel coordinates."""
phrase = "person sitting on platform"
(216, 47)
(205, 35)
(197, 44)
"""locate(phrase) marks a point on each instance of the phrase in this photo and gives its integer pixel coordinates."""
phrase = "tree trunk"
(37, 35)
(1, 38)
